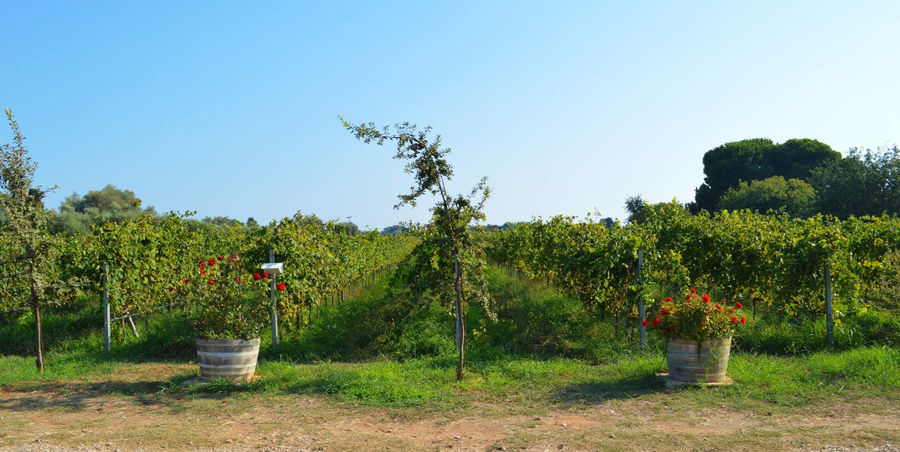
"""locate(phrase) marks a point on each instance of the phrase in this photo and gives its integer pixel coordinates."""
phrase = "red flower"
(734, 319)
(212, 283)
(706, 298)
(719, 308)
(668, 298)
(266, 275)
(687, 297)
(202, 264)
(280, 286)
(664, 311)
(221, 258)
(693, 290)
(743, 320)
(202, 271)
(739, 305)
(212, 261)
(656, 320)
(178, 399)
(187, 280)
(257, 276)
(237, 280)
(171, 289)
(644, 322)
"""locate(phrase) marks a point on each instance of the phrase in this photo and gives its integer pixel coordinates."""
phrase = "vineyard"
(146, 265)
(553, 317)
(773, 263)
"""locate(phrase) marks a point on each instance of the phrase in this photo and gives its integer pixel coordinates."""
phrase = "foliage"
(757, 159)
(147, 257)
(697, 317)
(773, 262)
(794, 196)
(859, 184)
(78, 213)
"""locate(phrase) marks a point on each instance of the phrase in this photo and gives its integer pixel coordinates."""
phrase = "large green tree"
(756, 159)
(449, 258)
(78, 213)
(863, 183)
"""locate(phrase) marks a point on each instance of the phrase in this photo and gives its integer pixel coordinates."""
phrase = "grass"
(378, 372)
(543, 350)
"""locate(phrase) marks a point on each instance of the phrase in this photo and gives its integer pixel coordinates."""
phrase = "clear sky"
(230, 108)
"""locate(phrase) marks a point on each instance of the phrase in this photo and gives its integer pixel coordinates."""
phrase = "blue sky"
(230, 108)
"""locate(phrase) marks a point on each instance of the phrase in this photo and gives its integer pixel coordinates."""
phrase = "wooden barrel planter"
(231, 359)
(693, 362)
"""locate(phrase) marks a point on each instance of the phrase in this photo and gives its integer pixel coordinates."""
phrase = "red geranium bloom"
(266, 275)
(171, 289)
(212, 261)
(706, 298)
(734, 319)
(644, 322)
(186, 280)
(202, 271)
(739, 305)
(743, 320)
(668, 298)
(212, 283)
(693, 290)
(257, 276)
(221, 258)
(178, 399)
(202, 264)
(280, 286)
(237, 280)
(664, 311)
(656, 320)
(719, 308)
(687, 297)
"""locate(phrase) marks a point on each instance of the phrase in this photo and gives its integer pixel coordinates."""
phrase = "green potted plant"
(230, 310)
(698, 334)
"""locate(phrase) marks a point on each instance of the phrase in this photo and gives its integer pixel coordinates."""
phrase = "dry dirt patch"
(83, 415)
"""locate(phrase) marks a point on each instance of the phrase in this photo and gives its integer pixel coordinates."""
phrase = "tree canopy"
(78, 213)
(863, 183)
(793, 196)
(756, 159)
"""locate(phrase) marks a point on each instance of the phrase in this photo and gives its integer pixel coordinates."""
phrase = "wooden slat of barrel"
(709, 365)
(232, 359)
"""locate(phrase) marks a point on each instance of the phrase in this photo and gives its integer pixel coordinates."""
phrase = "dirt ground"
(85, 416)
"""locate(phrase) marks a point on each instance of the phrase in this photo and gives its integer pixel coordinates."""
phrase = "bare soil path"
(147, 415)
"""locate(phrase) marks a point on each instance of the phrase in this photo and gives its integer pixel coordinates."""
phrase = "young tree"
(452, 256)
(31, 246)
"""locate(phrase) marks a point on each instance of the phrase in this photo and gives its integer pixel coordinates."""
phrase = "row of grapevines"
(149, 260)
(772, 259)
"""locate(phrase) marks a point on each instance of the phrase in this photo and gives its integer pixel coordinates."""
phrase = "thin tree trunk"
(460, 320)
(39, 342)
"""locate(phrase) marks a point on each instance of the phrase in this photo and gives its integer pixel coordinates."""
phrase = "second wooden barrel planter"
(690, 361)
(231, 359)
